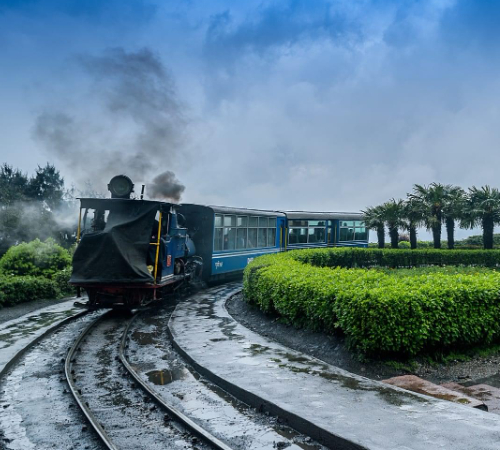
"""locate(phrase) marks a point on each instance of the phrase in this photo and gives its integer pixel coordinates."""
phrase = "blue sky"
(321, 105)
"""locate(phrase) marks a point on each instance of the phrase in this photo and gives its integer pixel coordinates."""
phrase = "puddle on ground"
(13, 332)
(144, 338)
(166, 376)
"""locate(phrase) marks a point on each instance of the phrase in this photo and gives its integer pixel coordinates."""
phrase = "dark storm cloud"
(132, 91)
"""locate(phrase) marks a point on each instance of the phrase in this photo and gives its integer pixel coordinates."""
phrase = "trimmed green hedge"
(15, 290)
(35, 258)
(378, 312)
(397, 258)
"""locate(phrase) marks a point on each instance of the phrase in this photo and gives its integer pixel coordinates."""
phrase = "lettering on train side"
(249, 260)
(218, 264)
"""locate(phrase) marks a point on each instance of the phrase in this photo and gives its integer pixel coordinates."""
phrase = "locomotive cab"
(130, 251)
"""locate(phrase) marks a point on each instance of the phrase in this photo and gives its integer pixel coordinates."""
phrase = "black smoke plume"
(135, 125)
(165, 186)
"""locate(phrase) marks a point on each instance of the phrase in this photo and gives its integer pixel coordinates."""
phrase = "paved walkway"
(343, 410)
(16, 334)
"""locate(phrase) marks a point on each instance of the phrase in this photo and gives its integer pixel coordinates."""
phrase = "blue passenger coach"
(325, 229)
(227, 238)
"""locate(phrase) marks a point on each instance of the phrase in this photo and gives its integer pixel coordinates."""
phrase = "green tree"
(375, 220)
(432, 199)
(28, 206)
(483, 208)
(13, 185)
(393, 213)
(414, 215)
(47, 186)
(453, 210)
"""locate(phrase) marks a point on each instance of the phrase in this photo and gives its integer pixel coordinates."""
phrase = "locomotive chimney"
(121, 186)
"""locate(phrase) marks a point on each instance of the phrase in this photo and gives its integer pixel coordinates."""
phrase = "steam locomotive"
(132, 251)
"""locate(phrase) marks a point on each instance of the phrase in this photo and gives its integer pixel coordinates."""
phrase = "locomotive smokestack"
(121, 186)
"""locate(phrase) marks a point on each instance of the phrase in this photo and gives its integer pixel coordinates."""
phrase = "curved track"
(159, 369)
(69, 372)
(114, 409)
(33, 394)
(168, 408)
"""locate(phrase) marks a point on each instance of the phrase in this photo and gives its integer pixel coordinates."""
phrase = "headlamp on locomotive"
(130, 251)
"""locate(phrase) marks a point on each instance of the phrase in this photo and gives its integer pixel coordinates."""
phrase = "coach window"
(297, 223)
(241, 231)
(297, 236)
(218, 239)
(347, 230)
(360, 233)
(218, 233)
(316, 231)
(262, 237)
(253, 223)
(229, 221)
(229, 238)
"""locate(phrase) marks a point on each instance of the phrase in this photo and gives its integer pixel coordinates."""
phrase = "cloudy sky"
(319, 105)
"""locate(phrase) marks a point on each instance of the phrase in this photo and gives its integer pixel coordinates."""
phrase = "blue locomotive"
(130, 251)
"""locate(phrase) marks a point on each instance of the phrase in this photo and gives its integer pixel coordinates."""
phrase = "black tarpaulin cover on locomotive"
(118, 253)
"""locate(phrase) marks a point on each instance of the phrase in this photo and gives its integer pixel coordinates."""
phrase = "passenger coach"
(227, 239)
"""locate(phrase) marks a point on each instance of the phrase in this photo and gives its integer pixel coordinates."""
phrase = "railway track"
(106, 369)
(34, 400)
(114, 406)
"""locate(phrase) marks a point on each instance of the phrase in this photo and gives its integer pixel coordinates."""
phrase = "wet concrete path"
(231, 421)
(347, 411)
(16, 334)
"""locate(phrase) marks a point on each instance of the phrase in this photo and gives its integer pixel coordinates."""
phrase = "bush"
(35, 258)
(378, 312)
(351, 257)
(15, 290)
(61, 280)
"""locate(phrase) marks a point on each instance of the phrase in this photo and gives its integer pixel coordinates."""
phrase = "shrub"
(61, 280)
(381, 313)
(397, 258)
(15, 290)
(35, 258)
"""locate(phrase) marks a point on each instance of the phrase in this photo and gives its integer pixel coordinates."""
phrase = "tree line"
(33, 206)
(433, 206)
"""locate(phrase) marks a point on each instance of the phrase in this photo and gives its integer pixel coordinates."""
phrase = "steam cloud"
(138, 127)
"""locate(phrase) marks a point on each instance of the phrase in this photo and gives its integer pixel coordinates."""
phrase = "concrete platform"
(18, 333)
(340, 409)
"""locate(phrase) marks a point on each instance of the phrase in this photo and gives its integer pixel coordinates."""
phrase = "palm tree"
(394, 217)
(483, 208)
(414, 214)
(453, 209)
(375, 220)
(432, 199)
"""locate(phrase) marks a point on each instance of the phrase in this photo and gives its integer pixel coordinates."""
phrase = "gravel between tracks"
(129, 418)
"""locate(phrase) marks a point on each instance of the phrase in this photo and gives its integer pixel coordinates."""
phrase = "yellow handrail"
(79, 226)
(157, 246)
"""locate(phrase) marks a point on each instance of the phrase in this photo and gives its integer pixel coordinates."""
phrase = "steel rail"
(74, 390)
(171, 410)
(36, 340)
